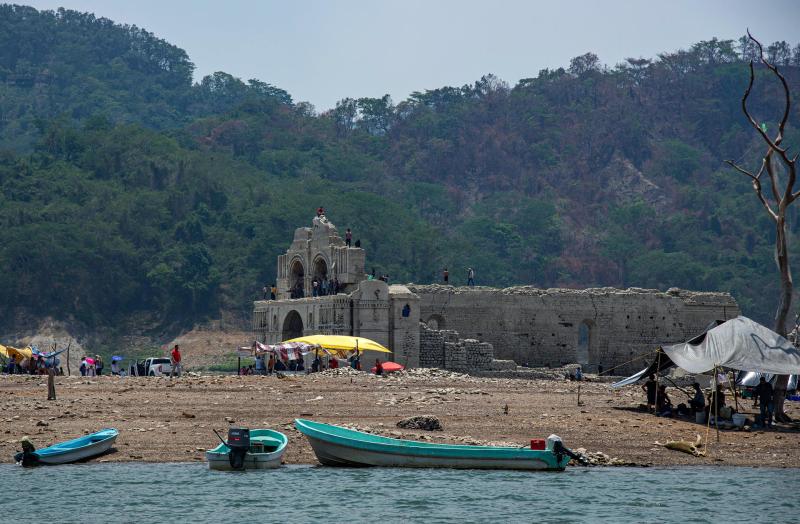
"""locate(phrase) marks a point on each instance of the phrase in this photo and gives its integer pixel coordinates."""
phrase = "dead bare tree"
(776, 203)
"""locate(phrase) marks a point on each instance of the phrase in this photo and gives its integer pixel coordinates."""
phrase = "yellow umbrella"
(342, 343)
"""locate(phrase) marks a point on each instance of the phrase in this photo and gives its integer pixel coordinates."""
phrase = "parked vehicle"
(150, 367)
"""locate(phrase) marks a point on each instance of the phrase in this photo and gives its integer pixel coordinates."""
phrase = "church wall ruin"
(604, 327)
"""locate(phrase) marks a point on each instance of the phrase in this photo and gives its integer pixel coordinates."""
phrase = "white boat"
(75, 450)
(266, 451)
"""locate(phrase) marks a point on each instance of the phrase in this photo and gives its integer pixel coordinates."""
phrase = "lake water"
(183, 493)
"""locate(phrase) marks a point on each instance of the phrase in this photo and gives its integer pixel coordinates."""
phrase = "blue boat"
(338, 446)
(75, 450)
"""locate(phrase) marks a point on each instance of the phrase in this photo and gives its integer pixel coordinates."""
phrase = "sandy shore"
(163, 420)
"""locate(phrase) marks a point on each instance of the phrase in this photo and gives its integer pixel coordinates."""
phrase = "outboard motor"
(238, 446)
(28, 456)
(555, 445)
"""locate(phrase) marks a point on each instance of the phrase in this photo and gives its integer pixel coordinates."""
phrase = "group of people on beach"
(659, 402)
(35, 365)
(91, 367)
(268, 365)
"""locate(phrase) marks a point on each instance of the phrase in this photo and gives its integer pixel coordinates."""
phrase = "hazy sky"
(322, 51)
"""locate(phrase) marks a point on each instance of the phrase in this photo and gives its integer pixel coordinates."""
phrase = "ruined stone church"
(473, 328)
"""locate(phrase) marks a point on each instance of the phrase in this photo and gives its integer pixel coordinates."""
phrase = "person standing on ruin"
(470, 276)
(348, 237)
(445, 275)
(273, 291)
(175, 362)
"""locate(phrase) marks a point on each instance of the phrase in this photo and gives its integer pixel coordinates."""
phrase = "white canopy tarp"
(751, 379)
(739, 343)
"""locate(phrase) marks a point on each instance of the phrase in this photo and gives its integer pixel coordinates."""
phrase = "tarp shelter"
(18, 354)
(740, 344)
(284, 350)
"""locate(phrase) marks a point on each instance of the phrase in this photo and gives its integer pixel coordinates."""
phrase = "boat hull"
(220, 462)
(338, 446)
(330, 454)
(65, 454)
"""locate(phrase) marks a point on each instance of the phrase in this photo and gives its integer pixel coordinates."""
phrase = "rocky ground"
(163, 420)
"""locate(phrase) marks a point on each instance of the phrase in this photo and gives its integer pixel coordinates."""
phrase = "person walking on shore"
(175, 362)
(470, 276)
(98, 364)
(445, 275)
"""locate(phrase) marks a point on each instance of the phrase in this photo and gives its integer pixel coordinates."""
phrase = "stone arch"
(320, 267)
(584, 347)
(435, 322)
(292, 326)
(297, 274)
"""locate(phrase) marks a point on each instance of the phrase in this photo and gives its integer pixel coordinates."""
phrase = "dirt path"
(161, 420)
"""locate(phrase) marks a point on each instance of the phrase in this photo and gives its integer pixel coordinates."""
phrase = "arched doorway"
(296, 281)
(582, 353)
(320, 269)
(435, 322)
(292, 326)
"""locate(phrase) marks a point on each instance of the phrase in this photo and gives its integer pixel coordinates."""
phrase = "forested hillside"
(128, 191)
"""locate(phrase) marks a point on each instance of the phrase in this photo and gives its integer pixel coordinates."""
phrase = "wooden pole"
(51, 383)
(658, 371)
(716, 402)
(69, 373)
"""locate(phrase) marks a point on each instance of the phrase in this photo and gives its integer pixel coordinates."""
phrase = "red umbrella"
(388, 367)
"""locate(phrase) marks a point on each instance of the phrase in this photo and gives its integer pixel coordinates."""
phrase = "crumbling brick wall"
(445, 349)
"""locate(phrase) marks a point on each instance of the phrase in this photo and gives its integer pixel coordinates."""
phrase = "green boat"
(265, 451)
(338, 446)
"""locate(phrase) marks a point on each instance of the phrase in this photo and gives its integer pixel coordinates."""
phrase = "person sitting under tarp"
(698, 402)
(663, 403)
(649, 388)
(713, 407)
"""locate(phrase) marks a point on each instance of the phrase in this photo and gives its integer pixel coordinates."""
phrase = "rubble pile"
(425, 373)
(426, 422)
(340, 372)
(598, 458)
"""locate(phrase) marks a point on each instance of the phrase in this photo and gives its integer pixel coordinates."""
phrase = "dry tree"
(776, 201)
